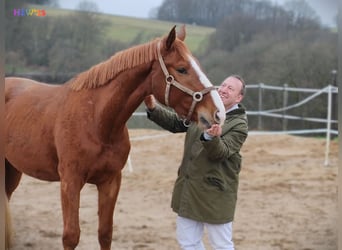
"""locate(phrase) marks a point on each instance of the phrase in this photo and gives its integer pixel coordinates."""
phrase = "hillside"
(125, 29)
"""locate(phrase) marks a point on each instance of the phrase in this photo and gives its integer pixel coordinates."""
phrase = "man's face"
(230, 92)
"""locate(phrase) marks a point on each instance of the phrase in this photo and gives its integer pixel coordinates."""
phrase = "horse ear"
(171, 38)
(182, 33)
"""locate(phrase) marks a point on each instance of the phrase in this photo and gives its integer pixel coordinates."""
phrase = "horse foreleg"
(70, 196)
(8, 226)
(12, 179)
(108, 194)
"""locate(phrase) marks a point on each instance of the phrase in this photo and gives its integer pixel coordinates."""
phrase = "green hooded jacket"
(208, 177)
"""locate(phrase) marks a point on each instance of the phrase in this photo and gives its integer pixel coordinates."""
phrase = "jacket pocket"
(215, 182)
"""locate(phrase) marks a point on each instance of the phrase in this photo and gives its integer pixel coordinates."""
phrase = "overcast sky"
(326, 9)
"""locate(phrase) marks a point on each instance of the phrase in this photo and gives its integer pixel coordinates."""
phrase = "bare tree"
(88, 6)
(301, 10)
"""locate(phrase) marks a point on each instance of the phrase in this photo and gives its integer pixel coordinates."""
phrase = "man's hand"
(150, 102)
(214, 130)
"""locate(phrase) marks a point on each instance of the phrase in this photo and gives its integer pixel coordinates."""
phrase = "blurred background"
(287, 44)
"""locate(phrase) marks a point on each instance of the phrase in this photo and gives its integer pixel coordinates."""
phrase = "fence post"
(334, 104)
(260, 106)
(285, 99)
(327, 145)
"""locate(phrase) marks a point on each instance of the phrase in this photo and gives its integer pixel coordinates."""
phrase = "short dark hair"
(243, 89)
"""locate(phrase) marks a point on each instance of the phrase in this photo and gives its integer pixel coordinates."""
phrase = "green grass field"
(125, 29)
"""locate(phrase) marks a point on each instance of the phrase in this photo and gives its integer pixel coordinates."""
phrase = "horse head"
(180, 83)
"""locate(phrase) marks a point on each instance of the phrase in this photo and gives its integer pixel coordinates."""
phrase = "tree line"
(212, 12)
(66, 44)
(264, 43)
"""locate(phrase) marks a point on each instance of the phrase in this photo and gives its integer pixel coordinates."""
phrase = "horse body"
(76, 133)
(101, 117)
(40, 160)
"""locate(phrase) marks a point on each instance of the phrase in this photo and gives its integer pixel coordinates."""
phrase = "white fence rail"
(329, 90)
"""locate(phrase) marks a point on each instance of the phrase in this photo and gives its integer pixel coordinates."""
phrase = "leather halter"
(197, 96)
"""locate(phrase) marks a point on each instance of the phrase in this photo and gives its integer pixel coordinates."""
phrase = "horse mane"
(102, 73)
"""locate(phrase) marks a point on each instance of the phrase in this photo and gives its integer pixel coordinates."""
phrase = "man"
(205, 191)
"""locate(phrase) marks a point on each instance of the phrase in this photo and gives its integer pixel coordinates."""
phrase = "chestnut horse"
(76, 132)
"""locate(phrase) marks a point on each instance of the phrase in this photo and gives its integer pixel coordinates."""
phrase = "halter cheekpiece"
(197, 96)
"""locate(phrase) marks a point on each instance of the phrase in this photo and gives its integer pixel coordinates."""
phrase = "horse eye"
(182, 70)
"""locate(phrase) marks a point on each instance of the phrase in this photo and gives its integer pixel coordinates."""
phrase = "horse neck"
(123, 96)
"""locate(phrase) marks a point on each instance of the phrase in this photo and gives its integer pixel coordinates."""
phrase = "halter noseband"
(197, 96)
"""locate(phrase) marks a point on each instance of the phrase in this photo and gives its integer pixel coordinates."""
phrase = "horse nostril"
(217, 117)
